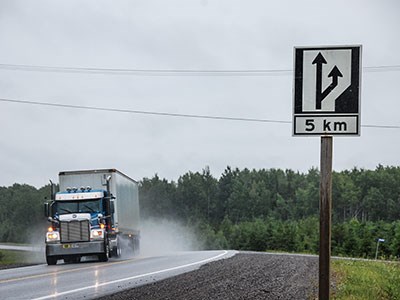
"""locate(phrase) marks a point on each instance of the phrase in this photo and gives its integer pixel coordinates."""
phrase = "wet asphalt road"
(91, 279)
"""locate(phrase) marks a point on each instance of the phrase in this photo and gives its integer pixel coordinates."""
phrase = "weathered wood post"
(325, 217)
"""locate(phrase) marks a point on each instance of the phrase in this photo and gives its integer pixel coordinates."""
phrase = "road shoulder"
(244, 276)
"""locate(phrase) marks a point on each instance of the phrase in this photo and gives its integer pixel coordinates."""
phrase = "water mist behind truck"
(95, 213)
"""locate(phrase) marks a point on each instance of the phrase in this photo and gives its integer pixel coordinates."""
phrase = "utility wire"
(166, 114)
(173, 72)
(145, 72)
(142, 112)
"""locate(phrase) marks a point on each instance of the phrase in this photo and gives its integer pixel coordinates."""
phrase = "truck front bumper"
(80, 248)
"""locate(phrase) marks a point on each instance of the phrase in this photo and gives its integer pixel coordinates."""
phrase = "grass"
(8, 257)
(364, 280)
(12, 257)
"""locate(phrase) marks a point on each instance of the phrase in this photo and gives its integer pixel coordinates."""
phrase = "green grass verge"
(365, 280)
(8, 257)
(12, 257)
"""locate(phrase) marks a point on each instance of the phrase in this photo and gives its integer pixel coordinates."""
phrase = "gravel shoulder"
(247, 275)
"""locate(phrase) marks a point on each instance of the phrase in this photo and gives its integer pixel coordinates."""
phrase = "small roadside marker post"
(377, 247)
(326, 102)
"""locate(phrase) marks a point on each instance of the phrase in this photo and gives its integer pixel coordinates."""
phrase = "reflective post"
(377, 247)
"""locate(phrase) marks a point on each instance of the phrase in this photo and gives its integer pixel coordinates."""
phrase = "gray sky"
(39, 141)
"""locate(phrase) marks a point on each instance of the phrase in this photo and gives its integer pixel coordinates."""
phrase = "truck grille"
(75, 231)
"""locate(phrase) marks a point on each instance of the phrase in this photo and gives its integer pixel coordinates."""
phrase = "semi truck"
(94, 213)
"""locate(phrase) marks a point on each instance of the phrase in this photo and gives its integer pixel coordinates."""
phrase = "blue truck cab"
(92, 222)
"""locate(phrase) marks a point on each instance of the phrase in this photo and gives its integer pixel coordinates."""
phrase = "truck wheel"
(51, 260)
(117, 251)
(104, 256)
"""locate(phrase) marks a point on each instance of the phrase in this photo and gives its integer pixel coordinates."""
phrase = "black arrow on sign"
(319, 60)
(335, 74)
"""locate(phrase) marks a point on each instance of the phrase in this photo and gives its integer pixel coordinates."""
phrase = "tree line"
(244, 195)
(278, 209)
(21, 213)
(266, 209)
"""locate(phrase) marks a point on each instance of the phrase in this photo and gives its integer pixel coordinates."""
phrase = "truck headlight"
(97, 234)
(52, 236)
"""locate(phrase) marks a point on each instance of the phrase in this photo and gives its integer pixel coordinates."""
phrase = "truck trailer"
(95, 213)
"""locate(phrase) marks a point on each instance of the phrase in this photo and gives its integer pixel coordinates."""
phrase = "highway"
(91, 279)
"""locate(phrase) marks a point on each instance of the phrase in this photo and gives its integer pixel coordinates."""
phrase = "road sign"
(327, 90)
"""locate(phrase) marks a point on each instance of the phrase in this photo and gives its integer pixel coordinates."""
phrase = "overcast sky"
(39, 141)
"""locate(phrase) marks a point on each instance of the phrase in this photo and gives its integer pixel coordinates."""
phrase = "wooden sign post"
(325, 206)
(326, 103)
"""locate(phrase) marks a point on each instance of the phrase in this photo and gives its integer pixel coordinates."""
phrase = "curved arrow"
(335, 74)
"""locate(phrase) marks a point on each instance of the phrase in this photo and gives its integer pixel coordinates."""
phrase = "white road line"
(131, 278)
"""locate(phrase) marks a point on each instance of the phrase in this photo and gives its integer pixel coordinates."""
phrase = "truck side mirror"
(112, 206)
(46, 209)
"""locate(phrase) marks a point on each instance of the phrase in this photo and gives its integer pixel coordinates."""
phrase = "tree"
(196, 195)
(157, 197)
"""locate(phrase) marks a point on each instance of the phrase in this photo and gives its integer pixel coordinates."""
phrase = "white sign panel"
(327, 91)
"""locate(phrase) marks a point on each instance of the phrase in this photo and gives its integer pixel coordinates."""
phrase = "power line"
(146, 72)
(173, 72)
(166, 114)
(143, 112)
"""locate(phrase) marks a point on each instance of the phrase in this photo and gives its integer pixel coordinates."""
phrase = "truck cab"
(82, 222)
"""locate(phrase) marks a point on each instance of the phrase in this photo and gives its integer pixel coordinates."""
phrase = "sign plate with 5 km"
(327, 90)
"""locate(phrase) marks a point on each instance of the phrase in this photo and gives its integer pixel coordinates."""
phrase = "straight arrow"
(319, 61)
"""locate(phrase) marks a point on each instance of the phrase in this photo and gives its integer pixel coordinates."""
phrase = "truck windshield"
(67, 207)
